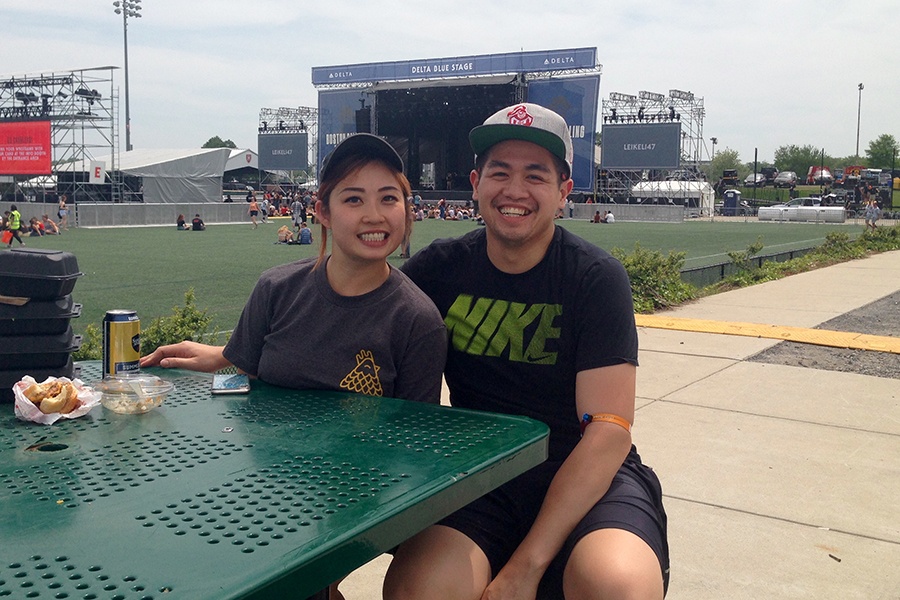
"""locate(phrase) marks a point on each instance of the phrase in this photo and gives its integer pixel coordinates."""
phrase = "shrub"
(836, 248)
(91, 344)
(742, 259)
(655, 279)
(185, 323)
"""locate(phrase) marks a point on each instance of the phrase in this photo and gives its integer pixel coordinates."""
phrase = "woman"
(348, 320)
(180, 222)
(63, 213)
(35, 227)
(872, 213)
(285, 235)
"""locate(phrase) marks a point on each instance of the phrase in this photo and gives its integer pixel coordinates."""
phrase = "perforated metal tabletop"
(270, 495)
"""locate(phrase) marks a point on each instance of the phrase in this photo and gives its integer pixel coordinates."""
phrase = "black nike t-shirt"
(516, 342)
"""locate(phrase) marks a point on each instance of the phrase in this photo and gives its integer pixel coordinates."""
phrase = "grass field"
(149, 269)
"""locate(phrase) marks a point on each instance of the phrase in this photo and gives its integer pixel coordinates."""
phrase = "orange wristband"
(606, 418)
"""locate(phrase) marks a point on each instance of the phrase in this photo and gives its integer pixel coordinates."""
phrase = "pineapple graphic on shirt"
(363, 379)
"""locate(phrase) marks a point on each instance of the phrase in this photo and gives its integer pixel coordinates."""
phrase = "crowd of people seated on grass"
(444, 211)
(297, 204)
(14, 226)
(300, 208)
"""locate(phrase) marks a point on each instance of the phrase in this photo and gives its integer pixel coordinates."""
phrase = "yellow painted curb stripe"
(820, 337)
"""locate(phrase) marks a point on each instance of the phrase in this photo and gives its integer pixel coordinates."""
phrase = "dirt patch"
(881, 317)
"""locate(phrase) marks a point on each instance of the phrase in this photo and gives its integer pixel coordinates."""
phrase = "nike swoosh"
(546, 358)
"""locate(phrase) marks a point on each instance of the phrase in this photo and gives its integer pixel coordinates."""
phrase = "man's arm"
(581, 481)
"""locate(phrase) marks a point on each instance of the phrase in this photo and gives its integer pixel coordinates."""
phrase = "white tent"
(47, 182)
(171, 176)
(241, 158)
(700, 191)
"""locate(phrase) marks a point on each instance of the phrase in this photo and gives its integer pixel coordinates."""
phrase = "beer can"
(121, 342)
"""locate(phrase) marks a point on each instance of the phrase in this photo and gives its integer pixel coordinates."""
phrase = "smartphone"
(230, 384)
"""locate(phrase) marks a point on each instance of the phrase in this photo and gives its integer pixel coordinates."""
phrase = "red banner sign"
(25, 148)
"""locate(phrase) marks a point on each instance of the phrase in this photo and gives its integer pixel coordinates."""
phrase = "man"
(50, 226)
(197, 223)
(304, 235)
(541, 324)
(298, 211)
(264, 208)
(308, 201)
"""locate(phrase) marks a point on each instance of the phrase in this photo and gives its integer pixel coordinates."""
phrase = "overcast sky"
(770, 73)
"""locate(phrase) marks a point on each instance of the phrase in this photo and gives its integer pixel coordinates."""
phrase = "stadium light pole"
(127, 8)
(860, 87)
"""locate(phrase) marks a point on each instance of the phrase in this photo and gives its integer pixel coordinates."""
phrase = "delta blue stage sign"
(458, 66)
(641, 146)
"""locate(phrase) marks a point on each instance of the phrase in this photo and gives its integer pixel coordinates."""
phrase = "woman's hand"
(187, 355)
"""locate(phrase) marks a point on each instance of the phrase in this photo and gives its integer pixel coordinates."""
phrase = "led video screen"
(283, 152)
(641, 146)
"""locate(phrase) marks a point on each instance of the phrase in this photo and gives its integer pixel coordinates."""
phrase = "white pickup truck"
(803, 209)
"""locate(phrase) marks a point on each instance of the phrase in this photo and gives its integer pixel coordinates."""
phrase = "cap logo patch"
(519, 116)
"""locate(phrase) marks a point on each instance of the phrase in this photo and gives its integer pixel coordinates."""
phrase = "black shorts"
(498, 521)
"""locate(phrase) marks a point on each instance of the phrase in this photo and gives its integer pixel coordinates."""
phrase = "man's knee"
(613, 563)
(439, 563)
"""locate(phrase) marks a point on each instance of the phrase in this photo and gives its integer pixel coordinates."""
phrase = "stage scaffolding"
(651, 107)
(82, 107)
(273, 121)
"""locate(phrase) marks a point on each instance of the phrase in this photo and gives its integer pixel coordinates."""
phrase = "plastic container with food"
(38, 273)
(136, 393)
(38, 351)
(38, 317)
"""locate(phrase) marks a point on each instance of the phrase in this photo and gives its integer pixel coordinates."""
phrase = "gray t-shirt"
(296, 332)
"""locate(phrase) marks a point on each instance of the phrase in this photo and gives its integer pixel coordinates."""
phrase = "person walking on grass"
(872, 214)
(62, 212)
(14, 225)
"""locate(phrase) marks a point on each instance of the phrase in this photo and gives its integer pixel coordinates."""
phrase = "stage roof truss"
(344, 86)
(82, 107)
(653, 107)
(597, 70)
(424, 82)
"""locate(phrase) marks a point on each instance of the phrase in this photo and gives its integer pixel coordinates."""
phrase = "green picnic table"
(274, 494)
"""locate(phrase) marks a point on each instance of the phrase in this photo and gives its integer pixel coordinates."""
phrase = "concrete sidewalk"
(780, 482)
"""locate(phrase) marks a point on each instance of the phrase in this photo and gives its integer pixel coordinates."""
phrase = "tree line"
(881, 154)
